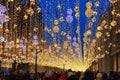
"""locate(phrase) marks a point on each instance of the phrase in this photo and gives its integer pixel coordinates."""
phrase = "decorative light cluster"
(58, 24)
(19, 41)
(96, 35)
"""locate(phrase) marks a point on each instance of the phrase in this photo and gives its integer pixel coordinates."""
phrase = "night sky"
(71, 5)
(52, 7)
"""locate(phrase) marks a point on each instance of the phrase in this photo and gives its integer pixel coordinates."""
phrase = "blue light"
(25, 1)
(5, 70)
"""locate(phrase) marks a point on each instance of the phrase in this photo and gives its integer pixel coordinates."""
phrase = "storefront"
(118, 62)
(116, 58)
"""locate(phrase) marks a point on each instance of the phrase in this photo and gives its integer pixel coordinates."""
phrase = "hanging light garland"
(16, 25)
(94, 47)
(65, 51)
(25, 30)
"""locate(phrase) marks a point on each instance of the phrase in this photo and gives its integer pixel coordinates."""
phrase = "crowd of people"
(65, 75)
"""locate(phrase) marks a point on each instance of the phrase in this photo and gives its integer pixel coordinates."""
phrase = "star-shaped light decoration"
(30, 11)
(25, 16)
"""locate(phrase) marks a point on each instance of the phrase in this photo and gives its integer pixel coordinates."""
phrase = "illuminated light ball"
(110, 27)
(103, 55)
(88, 5)
(56, 22)
(7, 30)
(74, 39)
(15, 25)
(17, 40)
(75, 44)
(56, 29)
(113, 12)
(98, 34)
(26, 41)
(55, 45)
(45, 29)
(76, 9)
(50, 46)
(77, 49)
(65, 45)
(114, 45)
(94, 40)
(17, 45)
(89, 32)
(1, 26)
(58, 6)
(49, 30)
(94, 12)
(85, 39)
(89, 12)
(97, 3)
(34, 55)
(21, 45)
(18, 8)
(106, 26)
(85, 34)
(7, 18)
(34, 42)
(118, 14)
(57, 50)
(74, 55)
(16, 57)
(118, 30)
(69, 19)
(6, 46)
(12, 43)
(77, 15)
(35, 29)
(38, 9)
(99, 48)
(90, 24)
(38, 48)
(1, 47)
(10, 0)
(52, 35)
(93, 19)
(2, 39)
(113, 1)
(21, 41)
(104, 22)
(69, 11)
(113, 23)
(2, 18)
(69, 37)
(61, 53)
(2, 9)
(99, 28)
(9, 45)
(93, 44)
(32, 2)
(63, 33)
(61, 19)
(40, 58)
(24, 47)
(35, 37)
(107, 34)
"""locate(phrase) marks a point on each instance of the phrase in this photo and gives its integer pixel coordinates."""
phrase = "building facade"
(24, 20)
(109, 42)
